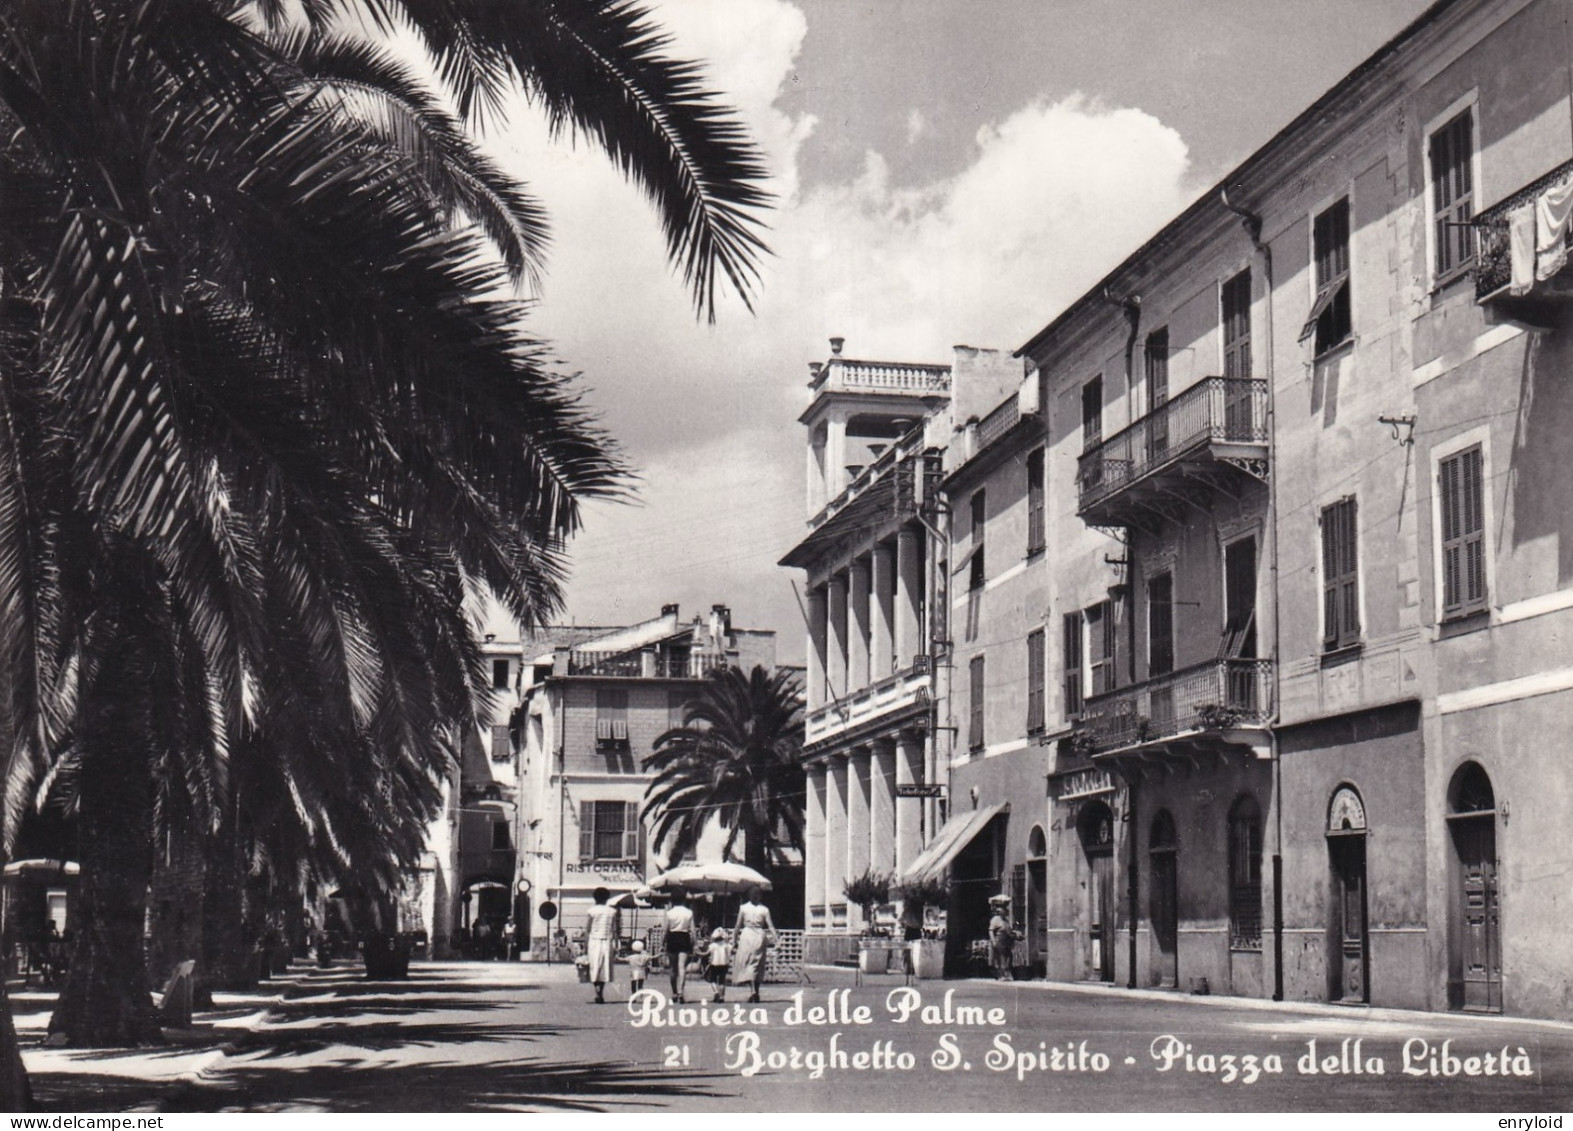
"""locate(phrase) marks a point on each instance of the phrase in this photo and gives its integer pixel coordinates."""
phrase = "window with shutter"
(1071, 654)
(1160, 624)
(502, 746)
(1236, 301)
(586, 831)
(630, 830)
(611, 717)
(1340, 576)
(1035, 682)
(1101, 639)
(1239, 600)
(1330, 319)
(1092, 413)
(1157, 380)
(975, 704)
(979, 517)
(1462, 491)
(1452, 197)
(1036, 536)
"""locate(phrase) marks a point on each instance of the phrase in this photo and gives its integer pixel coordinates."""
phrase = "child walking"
(638, 963)
(720, 962)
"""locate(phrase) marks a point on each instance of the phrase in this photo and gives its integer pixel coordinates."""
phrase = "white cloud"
(917, 125)
(1056, 194)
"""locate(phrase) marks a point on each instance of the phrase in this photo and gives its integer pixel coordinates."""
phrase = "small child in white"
(720, 961)
(638, 963)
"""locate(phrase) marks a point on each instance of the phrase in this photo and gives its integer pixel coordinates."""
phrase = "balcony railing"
(688, 667)
(1493, 260)
(848, 376)
(866, 706)
(883, 465)
(1216, 410)
(643, 664)
(1215, 696)
(998, 422)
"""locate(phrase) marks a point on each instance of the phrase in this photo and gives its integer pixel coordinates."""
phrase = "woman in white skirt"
(752, 936)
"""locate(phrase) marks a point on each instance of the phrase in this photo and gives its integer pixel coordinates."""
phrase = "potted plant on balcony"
(1216, 716)
(868, 891)
(928, 952)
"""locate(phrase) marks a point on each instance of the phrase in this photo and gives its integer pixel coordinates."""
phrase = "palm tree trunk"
(226, 955)
(107, 999)
(16, 1094)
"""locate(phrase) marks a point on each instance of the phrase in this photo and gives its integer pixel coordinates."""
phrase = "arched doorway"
(1036, 911)
(1163, 896)
(1475, 930)
(1349, 960)
(1095, 827)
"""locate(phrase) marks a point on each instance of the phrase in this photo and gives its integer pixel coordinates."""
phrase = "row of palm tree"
(270, 420)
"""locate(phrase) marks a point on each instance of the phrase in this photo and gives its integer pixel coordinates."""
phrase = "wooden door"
(1479, 915)
(1100, 915)
(1037, 913)
(1349, 962)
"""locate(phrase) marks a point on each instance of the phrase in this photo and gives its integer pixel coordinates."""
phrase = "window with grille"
(1245, 875)
(1035, 682)
(1036, 535)
(611, 717)
(1452, 197)
(608, 830)
(1330, 319)
(1462, 493)
(1071, 656)
(1160, 624)
(1340, 576)
(975, 704)
(1236, 300)
(977, 576)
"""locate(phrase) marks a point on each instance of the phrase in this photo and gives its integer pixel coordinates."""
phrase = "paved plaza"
(515, 1037)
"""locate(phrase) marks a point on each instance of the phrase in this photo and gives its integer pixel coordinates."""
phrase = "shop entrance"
(1036, 908)
(1164, 897)
(1475, 929)
(1348, 965)
(1095, 826)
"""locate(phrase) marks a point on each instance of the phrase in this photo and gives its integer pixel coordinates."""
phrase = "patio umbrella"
(724, 877)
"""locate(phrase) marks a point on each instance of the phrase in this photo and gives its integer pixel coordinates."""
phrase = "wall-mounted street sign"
(920, 789)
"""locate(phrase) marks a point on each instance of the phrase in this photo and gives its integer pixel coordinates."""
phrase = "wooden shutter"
(1452, 190)
(502, 747)
(975, 703)
(1330, 318)
(1092, 413)
(1071, 653)
(1340, 576)
(1160, 624)
(979, 521)
(1237, 326)
(630, 830)
(586, 831)
(1035, 510)
(1101, 638)
(1463, 533)
(1035, 681)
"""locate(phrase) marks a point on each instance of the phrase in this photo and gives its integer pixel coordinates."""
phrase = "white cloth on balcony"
(1521, 248)
(1552, 212)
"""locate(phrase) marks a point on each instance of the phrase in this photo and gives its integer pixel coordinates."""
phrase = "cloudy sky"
(948, 171)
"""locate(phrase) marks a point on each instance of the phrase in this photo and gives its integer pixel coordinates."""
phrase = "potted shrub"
(928, 953)
(868, 891)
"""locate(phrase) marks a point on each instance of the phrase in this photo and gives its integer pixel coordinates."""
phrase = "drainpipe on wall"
(1253, 228)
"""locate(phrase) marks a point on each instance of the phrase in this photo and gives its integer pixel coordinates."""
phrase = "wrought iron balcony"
(1220, 695)
(1493, 269)
(644, 664)
(1205, 437)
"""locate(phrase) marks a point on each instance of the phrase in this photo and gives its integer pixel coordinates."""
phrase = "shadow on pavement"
(276, 1041)
(498, 1085)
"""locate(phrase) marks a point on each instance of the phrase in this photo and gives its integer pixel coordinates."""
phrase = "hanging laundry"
(1521, 247)
(1552, 212)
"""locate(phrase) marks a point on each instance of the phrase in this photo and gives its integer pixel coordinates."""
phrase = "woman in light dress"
(753, 935)
(600, 939)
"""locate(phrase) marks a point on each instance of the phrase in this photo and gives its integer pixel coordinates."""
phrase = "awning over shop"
(947, 844)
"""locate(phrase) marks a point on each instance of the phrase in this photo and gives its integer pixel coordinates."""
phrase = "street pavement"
(488, 1037)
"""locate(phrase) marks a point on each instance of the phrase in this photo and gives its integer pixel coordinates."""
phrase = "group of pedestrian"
(736, 957)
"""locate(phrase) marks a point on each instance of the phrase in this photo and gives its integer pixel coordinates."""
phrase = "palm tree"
(262, 316)
(735, 759)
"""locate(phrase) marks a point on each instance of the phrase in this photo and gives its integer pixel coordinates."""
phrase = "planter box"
(928, 958)
(873, 958)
